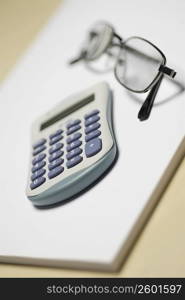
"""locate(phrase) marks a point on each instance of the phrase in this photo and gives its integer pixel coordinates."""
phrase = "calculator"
(72, 146)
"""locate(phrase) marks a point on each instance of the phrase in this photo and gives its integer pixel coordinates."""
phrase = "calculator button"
(74, 137)
(38, 166)
(91, 120)
(37, 174)
(92, 127)
(55, 163)
(55, 155)
(73, 129)
(92, 113)
(74, 161)
(73, 123)
(93, 147)
(73, 145)
(55, 139)
(73, 153)
(38, 158)
(59, 131)
(39, 143)
(55, 172)
(39, 149)
(55, 147)
(37, 182)
(92, 135)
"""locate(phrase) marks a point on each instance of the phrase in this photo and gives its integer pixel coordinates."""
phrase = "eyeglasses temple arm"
(146, 108)
(78, 58)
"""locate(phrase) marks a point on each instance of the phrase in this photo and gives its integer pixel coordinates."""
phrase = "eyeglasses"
(138, 64)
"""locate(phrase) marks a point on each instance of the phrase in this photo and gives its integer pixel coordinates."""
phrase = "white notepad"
(96, 229)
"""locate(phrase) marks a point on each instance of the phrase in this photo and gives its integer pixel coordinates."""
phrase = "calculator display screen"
(67, 112)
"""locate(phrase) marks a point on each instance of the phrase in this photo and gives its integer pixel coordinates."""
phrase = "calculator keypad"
(38, 166)
(91, 120)
(69, 141)
(74, 161)
(55, 163)
(92, 113)
(55, 139)
(38, 158)
(55, 172)
(55, 155)
(39, 149)
(74, 145)
(37, 174)
(92, 135)
(73, 129)
(37, 182)
(39, 143)
(74, 137)
(55, 147)
(92, 127)
(73, 153)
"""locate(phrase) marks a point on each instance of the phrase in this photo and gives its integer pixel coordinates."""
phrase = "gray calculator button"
(39, 143)
(73, 145)
(74, 137)
(37, 174)
(93, 147)
(58, 132)
(92, 127)
(73, 129)
(73, 123)
(74, 161)
(55, 139)
(39, 149)
(55, 155)
(92, 120)
(38, 158)
(55, 172)
(73, 153)
(92, 135)
(55, 147)
(38, 166)
(37, 182)
(92, 113)
(55, 163)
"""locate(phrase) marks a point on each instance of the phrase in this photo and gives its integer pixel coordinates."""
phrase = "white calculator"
(72, 146)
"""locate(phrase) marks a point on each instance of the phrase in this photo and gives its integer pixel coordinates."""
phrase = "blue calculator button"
(55, 172)
(92, 120)
(55, 139)
(55, 147)
(37, 174)
(74, 137)
(38, 158)
(39, 149)
(92, 135)
(73, 153)
(92, 127)
(55, 163)
(73, 129)
(73, 123)
(73, 145)
(73, 161)
(93, 147)
(55, 155)
(37, 182)
(39, 143)
(58, 132)
(38, 166)
(92, 113)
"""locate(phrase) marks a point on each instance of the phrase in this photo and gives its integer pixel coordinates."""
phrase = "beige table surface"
(160, 248)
